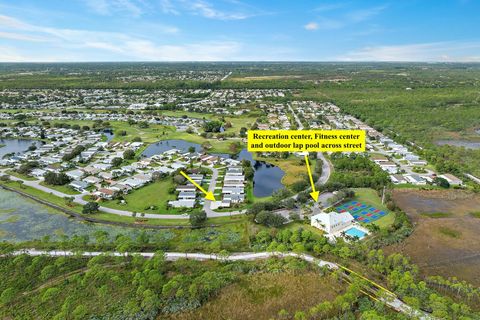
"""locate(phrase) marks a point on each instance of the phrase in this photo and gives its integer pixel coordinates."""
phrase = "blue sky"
(239, 30)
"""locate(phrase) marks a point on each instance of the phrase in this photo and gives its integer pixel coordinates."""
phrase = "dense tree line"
(355, 171)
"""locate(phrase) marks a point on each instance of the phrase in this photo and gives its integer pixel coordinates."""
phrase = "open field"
(64, 189)
(141, 200)
(262, 296)
(446, 237)
(293, 168)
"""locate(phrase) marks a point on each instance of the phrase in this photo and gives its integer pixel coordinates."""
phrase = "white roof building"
(332, 222)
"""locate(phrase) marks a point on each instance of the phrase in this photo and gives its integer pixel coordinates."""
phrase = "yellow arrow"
(314, 193)
(208, 195)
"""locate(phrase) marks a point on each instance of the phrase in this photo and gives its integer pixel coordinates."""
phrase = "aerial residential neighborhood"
(240, 160)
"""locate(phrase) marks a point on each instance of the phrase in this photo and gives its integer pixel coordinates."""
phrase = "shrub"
(270, 219)
(198, 218)
(90, 207)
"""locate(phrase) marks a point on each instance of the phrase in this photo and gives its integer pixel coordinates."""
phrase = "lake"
(16, 145)
(162, 146)
(459, 143)
(109, 134)
(267, 177)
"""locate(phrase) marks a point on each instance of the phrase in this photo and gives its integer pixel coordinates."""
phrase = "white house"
(454, 181)
(332, 222)
(75, 174)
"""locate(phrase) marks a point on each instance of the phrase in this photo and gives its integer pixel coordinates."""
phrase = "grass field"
(19, 175)
(64, 189)
(445, 239)
(293, 168)
(140, 200)
(263, 295)
(370, 197)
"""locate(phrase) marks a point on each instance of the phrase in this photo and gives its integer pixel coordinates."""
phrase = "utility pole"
(383, 195)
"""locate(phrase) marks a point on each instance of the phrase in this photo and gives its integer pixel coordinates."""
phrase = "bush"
(56, 179)
(300, 185)
(270, 219)
(212, 126)
(26, 168)
(198, 218)
(441, 182)
(128, 154)
(117, 161)
(90, 207)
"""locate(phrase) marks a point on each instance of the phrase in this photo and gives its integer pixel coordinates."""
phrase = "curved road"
(388, 298)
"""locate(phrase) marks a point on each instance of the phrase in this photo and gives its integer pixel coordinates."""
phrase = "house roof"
(332, 218)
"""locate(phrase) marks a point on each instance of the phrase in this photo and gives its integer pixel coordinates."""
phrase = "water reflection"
(22, 219)
(16, 145)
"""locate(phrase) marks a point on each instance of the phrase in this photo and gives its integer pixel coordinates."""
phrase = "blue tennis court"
(360, 211)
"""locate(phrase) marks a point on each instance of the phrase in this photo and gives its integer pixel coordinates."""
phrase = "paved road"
(326, 166)
(326, 169)
(392, 301)
(299, 123)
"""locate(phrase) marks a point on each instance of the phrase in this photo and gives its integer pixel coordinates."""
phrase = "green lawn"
(155, 194)
(64, 189)
(369, 196)
(21, 176)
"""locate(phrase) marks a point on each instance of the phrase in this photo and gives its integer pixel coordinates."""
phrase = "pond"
(16, 145)
(109, 134)
(459, 143)
(22, 219)
(162, 146)
(267, 177)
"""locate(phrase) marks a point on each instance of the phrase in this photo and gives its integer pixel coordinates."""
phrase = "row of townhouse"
(187, 194)
(233, 190)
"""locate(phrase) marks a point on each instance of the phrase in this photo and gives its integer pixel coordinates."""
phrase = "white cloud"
(329, 7)
(108, 7)
(311, 26)
(207, 10)
(19, 36)
(339, 21)
(435, 51)
(234, 10)
(10, 22)
(207, 51)
(167, 7)
(364, 14)
(87, 45)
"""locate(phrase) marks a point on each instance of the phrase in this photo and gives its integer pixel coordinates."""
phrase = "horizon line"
(242, 61)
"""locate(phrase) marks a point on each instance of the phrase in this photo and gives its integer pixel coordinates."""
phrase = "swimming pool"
(354, 232)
